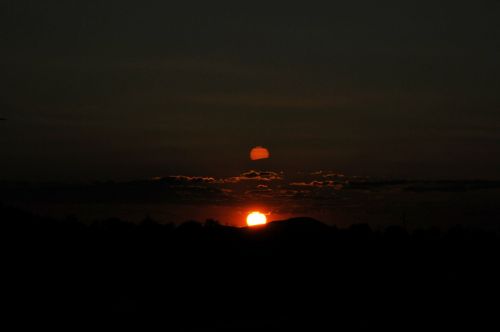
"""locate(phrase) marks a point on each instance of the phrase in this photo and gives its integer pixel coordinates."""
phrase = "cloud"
(293, 193)
(256, 176)
(451, 186)
(184, 179)
(333, 176)
(260, 190)
(307, 184)
(319, 184)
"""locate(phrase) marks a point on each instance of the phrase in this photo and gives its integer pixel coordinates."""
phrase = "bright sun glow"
(256, 218)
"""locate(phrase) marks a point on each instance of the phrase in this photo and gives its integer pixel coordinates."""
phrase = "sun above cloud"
(259, 152)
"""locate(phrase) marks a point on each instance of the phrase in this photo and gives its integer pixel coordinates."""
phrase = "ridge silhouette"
(290, 273)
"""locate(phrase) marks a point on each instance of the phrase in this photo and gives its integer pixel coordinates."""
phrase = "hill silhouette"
(296, 273)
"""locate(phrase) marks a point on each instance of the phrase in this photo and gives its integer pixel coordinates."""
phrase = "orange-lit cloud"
(256, 176)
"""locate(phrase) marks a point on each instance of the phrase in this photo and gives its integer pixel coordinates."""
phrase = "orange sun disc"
(259, 152)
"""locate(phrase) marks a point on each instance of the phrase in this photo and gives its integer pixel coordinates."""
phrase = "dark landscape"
(286, 274)
(200, 165)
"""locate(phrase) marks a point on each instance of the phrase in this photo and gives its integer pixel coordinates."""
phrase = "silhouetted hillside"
(292, 273)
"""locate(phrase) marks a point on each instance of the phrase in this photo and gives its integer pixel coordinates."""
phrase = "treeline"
(297, 272)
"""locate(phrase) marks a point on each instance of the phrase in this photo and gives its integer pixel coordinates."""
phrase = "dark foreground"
(292, 274)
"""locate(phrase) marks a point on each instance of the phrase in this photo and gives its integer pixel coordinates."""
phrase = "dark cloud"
(180, 197)
(307, 184)
(328, 174)
(183, 179)
(451, 186)
(318, 184)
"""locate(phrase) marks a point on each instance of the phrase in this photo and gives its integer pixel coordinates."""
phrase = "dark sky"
(135, 89)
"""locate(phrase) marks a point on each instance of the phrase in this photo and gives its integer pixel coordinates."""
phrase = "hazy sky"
(135, 89)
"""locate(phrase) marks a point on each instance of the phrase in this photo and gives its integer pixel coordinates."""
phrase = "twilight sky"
(96, 90)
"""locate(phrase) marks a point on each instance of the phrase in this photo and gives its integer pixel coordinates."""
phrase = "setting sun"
(256, 218)
(259, 152)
